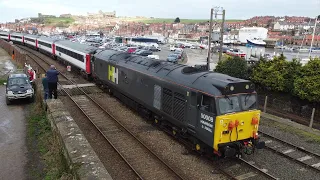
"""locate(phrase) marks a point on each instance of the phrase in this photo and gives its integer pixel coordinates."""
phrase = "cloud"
(34, 6)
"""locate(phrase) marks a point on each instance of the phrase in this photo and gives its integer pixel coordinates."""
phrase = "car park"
(18, 86)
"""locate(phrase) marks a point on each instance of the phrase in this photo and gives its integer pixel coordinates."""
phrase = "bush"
(277, 74)
(307, 85)
(233, 66)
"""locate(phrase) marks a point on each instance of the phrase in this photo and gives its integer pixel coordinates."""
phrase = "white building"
(283, 26)
(252, 33)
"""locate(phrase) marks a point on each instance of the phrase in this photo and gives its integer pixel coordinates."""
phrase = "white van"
(153, 56)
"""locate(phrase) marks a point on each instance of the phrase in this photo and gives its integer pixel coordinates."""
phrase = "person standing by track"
(45, 86)
(52, 78)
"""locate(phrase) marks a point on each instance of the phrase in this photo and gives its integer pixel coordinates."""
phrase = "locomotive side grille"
(167, 101)
(179, 106)
(157, 97)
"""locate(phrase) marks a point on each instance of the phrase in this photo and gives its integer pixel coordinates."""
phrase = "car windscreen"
(18, 81)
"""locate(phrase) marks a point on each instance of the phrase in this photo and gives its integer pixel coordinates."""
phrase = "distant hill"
(58, 21)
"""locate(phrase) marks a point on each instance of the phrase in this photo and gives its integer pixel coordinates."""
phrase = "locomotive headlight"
(231, 88)
(247, 86)
(252, 86)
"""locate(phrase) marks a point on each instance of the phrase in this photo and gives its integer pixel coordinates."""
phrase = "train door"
(192, 111)
(206, 118)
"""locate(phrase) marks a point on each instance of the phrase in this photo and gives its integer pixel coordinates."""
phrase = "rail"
(284, 154)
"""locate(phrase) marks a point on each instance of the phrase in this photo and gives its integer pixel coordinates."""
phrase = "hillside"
(58, 21)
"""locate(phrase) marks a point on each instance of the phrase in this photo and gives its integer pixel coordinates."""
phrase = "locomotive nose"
(228, 151)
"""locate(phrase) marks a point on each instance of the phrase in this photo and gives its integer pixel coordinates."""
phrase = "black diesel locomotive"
(216, 112)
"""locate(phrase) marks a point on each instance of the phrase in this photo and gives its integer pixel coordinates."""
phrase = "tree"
(307, 85)
(233, 66)
(177, 20)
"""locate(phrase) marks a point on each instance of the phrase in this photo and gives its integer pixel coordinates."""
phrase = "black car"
(144, 52)
(18, 86)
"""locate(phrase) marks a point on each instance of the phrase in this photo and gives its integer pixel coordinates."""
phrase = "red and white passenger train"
(75, 54)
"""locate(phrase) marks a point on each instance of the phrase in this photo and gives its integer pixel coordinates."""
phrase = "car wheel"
(8, 102)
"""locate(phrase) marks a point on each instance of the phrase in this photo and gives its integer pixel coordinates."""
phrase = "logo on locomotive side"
(206, 117)
(113, 74)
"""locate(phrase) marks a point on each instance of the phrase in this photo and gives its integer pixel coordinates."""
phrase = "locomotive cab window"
(207, 104)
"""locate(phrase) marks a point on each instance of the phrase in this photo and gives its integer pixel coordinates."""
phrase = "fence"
(303, 113)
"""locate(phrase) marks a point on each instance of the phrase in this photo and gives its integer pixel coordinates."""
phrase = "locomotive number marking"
(206, 122)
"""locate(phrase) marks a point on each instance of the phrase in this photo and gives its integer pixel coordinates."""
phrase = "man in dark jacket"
(52, 78)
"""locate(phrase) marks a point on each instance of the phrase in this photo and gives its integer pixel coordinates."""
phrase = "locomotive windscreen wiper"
(246, 99)
(230, 101)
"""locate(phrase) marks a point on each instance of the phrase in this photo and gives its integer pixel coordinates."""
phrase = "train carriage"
(5, 36)
(213, 110)
(79, 55)
(31, 40)
(46, 45)
(17, 38)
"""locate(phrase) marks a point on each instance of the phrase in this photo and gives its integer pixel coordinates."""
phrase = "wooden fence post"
(312, 116)
(265, 104)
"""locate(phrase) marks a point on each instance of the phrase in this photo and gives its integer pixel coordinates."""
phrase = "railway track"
(235, 168)
(295, 153)
(142, 160)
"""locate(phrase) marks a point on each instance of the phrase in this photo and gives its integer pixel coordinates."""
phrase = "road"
(12, 132)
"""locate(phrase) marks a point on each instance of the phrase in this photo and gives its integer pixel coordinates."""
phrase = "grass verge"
(46, 159)
(2, 81)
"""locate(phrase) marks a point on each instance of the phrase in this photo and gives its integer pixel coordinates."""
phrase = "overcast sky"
(185, 9)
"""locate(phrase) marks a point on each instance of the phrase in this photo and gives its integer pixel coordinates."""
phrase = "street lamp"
(216, 11)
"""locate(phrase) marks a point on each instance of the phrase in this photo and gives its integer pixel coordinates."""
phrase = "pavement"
(13, 147)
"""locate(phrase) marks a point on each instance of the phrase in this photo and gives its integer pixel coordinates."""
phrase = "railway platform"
(81, 157)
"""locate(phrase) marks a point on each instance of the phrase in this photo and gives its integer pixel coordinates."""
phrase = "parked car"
(137, 50)
(179, 54)
(172, 48)
(172, 58)
(18, 86)
(131, 49)
(153, 56)
(152, 48)
(144, 53)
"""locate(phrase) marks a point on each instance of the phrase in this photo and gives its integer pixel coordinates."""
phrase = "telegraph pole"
(221, 34)
(209, 40)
